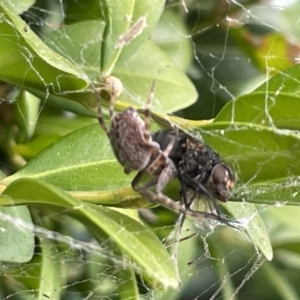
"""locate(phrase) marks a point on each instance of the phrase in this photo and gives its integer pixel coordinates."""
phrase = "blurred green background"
(203, 54)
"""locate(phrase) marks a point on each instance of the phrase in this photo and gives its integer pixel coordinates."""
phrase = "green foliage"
(68, 183)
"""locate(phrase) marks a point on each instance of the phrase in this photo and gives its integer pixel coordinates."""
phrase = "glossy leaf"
(86, 166)
(282, 191)
(51, 266)
(173, 90)
(119, 18)
(88, 169)
(19, 45)
(49, 129)
(282, 110)
(286, 81)
(133, 238)
(19, 6)
(27, 115)
(256, 153)
(271, 52)
(128, 289)
(248, 214)
(16, 241)
(170, 35)
(135, 72)
(64, 82)
(71, 42)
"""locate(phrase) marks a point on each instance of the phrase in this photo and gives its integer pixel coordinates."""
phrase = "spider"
(165, 155)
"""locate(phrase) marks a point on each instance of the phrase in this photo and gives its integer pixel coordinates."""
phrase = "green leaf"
(256, 153)
(2, 174)
(271, 52)
(27, 115)
(135, 72)
(182, 252)
(19, 6)
(279, 192)
(49, 129)
(71, 42)
(120, 16)
(287, 81)
(127, 289)
(255, 227)
(16, 238)
(282, 110)
(282, 224)
(87, 168)
(43, 277)
(170, 35)
(64, 81)
(51, 266)
(75, 11)
(133, 238)
(40, 69)
(102, 57)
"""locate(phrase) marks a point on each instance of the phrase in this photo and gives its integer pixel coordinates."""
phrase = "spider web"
(213, 262)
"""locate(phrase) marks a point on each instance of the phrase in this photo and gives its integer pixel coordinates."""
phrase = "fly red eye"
(219, 174)
(222, 178)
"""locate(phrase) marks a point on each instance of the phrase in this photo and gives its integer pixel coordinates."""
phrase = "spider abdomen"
(128, 142)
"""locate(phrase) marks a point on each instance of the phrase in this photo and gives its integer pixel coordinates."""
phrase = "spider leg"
(113, 96)
(163, 159)
(114, 87)
(176, 206)
(151, 182)
(147, 119)
(100, 114)
(156, 198)
(175, 234)
(160, 181)
(161, 199)
(136, 180)
(217, 217)
(172, 205)
(168, 173)
(162, 156)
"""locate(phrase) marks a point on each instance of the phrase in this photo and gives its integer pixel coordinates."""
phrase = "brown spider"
(137, 150)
